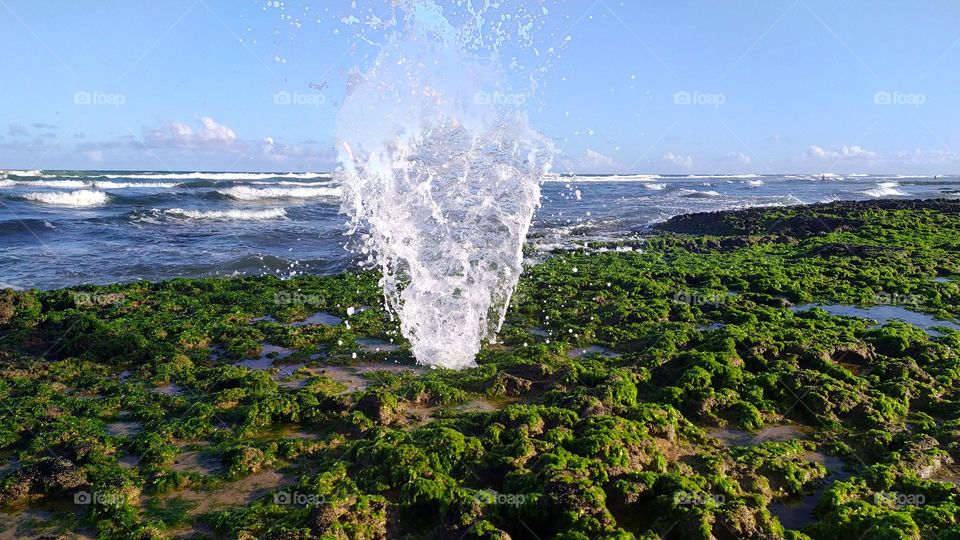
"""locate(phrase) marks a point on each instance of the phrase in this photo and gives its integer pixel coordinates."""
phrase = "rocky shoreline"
(804, 221)
(768, 373)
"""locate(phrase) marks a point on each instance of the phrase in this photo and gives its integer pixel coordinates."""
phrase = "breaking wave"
(134, 185)
(884, 189)
(60, 184)
(79, 198)
(256, 215)
(214, 176)
(244, 193)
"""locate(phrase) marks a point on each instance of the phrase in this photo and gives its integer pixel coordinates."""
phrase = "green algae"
(691, 333)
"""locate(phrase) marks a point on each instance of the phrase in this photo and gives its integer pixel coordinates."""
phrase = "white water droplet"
(443, 173)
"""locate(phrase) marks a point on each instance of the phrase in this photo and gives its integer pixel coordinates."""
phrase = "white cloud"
(282, 152)
(206, 144)
(678, 160)
(738, 157)
(928, 157)
(596, 159)
(203, 144)
(208, 135)
(215, 131)
(856, 152)
(590, 161)
(843, 152)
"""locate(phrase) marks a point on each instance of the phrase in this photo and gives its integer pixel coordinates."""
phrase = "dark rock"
(50, 475)
(506, 384)
(805, 221)
(534, 372)
(379, 407)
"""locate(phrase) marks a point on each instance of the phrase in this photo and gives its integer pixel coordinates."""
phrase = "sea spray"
(441, 178)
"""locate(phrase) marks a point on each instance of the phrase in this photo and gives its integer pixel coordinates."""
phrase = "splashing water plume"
(441, 177)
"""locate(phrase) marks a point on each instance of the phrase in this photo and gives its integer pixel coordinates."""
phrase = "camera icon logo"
(882, 98)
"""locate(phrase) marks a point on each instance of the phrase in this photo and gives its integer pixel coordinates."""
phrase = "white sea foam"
(602, 178)
(79, 198)
(56, 184)
(213, 176)
(754, 183)
(884, 189)
(655, 186)
(721, 176)
(698, 194)
(134, 185)
(253, 215)
(440, 186)
(7, 183)
(59, 183)
(244, 193)
(287, 183)
(25, 174)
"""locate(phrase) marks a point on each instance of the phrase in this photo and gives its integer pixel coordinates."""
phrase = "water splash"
(441, 178)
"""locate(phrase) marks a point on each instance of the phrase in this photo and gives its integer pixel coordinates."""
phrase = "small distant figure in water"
(935, 177)
(823, 178)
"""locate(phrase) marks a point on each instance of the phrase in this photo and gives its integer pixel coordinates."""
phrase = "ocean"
(64, 228)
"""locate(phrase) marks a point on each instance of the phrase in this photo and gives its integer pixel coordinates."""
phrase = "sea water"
(439, 185)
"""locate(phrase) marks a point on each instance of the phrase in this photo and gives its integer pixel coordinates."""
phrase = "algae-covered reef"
(688, 389)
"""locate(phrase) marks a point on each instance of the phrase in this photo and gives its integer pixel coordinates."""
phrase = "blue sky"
(765, 86)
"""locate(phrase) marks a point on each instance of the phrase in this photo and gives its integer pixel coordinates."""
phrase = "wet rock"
(809, 220)
(471, 531)
(722, 244)
(48, 476)
(566, 496)
(381, 407)
(506, 384)
(247, 460)
(924, 457)
(14, 303)
(288, 535)
(853, 250)
(858, 355)
(368, 520)
(337, 404)
(533, 372)
(593, 406)
(741, 522)
(7, 309)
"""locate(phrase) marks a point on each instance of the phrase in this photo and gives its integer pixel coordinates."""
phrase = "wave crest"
(134, 185)
(884, 189)
(213, 176)
(213, 215)
(244, 193)
(79, 198)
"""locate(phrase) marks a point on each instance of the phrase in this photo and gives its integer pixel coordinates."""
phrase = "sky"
(679, 87)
